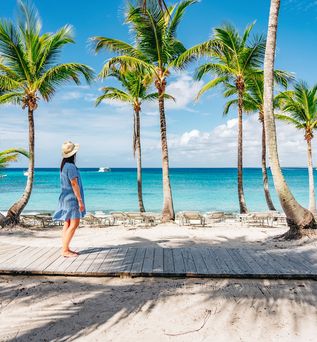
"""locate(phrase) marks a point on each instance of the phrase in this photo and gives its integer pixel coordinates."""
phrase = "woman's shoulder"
(70, 166)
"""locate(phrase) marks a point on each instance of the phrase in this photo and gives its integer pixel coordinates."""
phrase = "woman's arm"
(76, 190)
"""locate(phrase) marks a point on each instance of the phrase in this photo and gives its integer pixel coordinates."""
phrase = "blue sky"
(199, 135)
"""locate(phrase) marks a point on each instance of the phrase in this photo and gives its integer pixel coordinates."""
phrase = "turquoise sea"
(193, 189)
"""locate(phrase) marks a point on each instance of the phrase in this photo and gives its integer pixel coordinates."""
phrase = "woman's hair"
(70, 159)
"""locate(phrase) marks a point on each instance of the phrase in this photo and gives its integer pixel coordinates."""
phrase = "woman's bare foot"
(69, 254)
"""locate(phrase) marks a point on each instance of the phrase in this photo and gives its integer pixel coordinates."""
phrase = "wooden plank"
(92, 254)
(27, 264)
(128, 259)
(230, 262)
(148, 260)
(238, 258)
(106, 264)
(168, 262)
(305, 257)
(138, 261)
(56, 252)
(56, 264)
(117, 265)
(19, 263)
(45, 255)
(72, 268)
(200, 264)
(158, 260)
(7, 249)
(189, 263)
(264, 261)
(179, 265)
(256, 268)
(286, 264)
(17, 257)
(6, 257)
(67, 262)
(220, 258)
(210, 261)
(99, 260)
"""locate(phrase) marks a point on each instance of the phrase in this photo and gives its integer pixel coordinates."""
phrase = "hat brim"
(71, 153)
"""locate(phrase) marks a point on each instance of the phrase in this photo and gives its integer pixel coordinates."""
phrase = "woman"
(71, 206)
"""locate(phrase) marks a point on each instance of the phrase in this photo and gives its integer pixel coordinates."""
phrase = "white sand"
(180, 310)
(165, 235)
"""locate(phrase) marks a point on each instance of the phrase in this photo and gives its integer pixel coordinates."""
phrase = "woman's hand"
(81, 205)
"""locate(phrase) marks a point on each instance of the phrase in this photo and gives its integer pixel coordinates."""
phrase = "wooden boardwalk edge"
(281, 276)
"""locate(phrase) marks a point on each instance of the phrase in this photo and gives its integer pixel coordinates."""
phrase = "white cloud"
(184, 89)
(219, 147)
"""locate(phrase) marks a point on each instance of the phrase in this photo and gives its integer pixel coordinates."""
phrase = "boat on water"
(104, 169)
(26, 173)
(2, 176)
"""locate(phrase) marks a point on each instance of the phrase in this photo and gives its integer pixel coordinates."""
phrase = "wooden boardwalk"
(211, 262)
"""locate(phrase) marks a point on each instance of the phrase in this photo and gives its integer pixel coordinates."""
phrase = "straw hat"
(69, 149)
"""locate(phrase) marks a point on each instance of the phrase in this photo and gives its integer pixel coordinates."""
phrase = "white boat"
(104, 169)
(2, 176)
(26, 173)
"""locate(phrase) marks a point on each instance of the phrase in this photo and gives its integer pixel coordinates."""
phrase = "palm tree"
(11, 155)
(298, 218)
(300, 109)
(155, 51)
(253, 103)
(135, 87)
(28, 73)
(234, 59)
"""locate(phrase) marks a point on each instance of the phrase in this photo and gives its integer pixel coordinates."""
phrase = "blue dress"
(68, 207)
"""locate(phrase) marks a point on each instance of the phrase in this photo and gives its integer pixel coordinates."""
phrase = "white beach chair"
(191, 218)
(214, 217)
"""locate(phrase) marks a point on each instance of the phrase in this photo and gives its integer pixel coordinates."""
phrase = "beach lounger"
(192, 218)
(262, 219)
(214, 217)
(119, 218)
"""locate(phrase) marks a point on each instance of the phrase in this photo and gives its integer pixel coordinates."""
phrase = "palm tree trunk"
(168, 213)
(267, 194)
(298, 218)
(137, 147)
(13, 215)
(242, 204)
(312, 200)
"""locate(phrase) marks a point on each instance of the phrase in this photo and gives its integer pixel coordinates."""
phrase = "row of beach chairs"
(148, 219)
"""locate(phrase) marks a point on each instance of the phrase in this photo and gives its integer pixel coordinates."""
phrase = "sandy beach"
(107, 309)
(157, 309)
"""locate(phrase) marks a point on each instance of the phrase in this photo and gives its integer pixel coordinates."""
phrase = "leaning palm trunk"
(242, 204)
(312, 200)
(13, 215)
(168, 209)
(298, 218)
(267, 194)
(137, 149)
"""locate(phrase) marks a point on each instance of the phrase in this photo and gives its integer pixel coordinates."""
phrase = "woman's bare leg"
(68, 233)
(65, 227)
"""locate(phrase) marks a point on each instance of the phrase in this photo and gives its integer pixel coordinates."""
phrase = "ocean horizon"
(202, 189)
